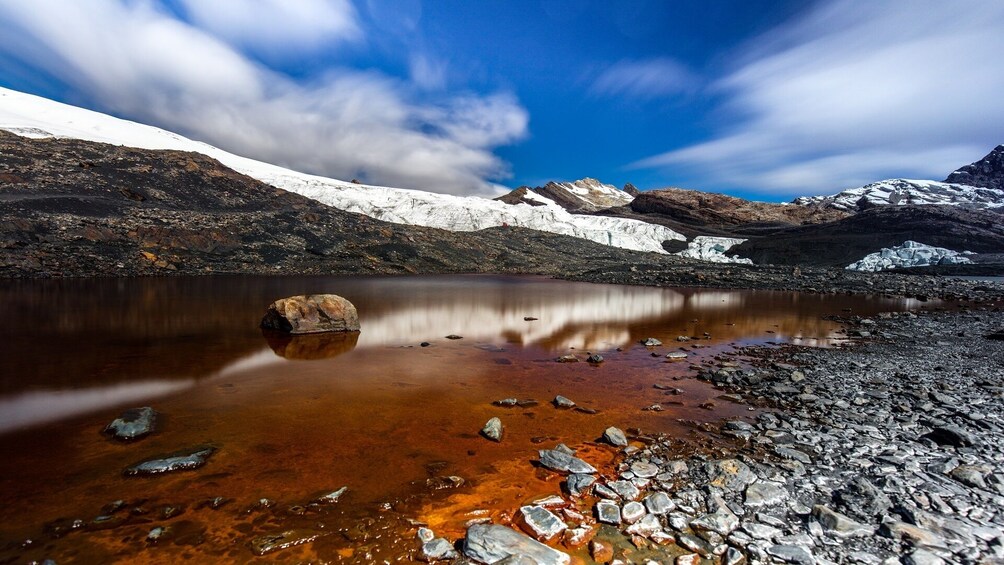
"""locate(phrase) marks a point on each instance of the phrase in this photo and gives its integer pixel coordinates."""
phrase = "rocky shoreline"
(885, 450)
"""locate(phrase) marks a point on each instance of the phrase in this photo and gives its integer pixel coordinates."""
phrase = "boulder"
(311, 313)
(490, 543)
(493, 430)
(133, 424)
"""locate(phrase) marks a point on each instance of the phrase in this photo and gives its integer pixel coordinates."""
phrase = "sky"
(762, 99)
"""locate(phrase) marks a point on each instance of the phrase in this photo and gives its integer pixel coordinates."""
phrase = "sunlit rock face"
(910, 254)
(311, 314)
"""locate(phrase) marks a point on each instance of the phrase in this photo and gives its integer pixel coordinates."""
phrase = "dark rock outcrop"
(988, 172)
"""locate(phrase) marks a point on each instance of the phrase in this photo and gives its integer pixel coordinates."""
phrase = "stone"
(615, 436)
(694, 543)
(311, 313)
(506, 402)
(540, 523)
(133, 424)
(577, 537)
(792, 554)
(838, 524)
(659, 503)
(608, 513)
(765, 493)
(579, 483)
(601, 551)
(625, 489)
(721, 522)
(182, 461)
(489, 543)
(438, 549)
(651, 342)
(970, 475)
(562, 402)
(730, 474)
(569, 358)
(688, 559)
(632, 511)
(268, 543)
(644, 469)
(733, 556)
(558, 460)
(425, 535)
(922, 557)
(519, 559)
(909, 533)
(332, 496)
(676, 356)
(493, 430)
(647, 527)
(445, 482)
(594, 358)
(861, 499)
(951, 435)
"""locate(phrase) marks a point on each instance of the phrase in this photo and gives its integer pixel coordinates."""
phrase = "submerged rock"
(289, 538)
(491, 543)
(133, 424)
(311, 313)
(188, 461)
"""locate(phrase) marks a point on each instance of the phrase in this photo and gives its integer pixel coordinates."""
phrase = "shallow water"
(374, 411)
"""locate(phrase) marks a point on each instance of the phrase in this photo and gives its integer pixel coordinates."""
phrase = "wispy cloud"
(645, 79)
(136, 59)
(854, 92)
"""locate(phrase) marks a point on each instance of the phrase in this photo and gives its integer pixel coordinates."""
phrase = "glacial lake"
(376, 412)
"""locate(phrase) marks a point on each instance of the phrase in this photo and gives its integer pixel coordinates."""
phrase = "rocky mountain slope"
(38, 117)
(842, 242)
(978, 185)
(78, 208)
(581, 196)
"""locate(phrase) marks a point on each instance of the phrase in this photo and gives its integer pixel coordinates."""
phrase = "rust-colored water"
(375, 412)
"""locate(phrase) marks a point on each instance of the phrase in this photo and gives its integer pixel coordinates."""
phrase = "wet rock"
(676, 356)
(562, 402)
(311, 313)
(558, 460)
(695, 544)
(625, 489)
(490, 543)
(506, 402)
(688, 559)
(632, 511)
(133, 424)
(185, 461)
(952, 435)
(493, 430)
(540, 523)
(445, 482)
(792, 554)
(733, 556)
(425, 535)
(579, 483)
(567, 359)
(438, 549)
(332, 496)
(765, 493)
(601, 551)
(577, 537)
(644, 469)
(156, 534)
(659, 503)
(721, 522)
(615, 436)
(839, 524)
(651, 342)
(454, 337)
(262, 545)
(594, 358)
(608, 513)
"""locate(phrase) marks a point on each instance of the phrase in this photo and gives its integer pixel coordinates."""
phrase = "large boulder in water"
(311, 313)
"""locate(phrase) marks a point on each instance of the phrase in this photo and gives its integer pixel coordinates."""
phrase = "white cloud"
(136, 60)
(644, 79)
(854, 92)
(427, 73)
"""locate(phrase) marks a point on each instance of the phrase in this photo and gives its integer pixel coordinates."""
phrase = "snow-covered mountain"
(584, 195)
(906, 191)
(988, 172)
(33, 116)
(910, 254)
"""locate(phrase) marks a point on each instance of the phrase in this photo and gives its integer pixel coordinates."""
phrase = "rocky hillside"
(988, 172)
(78, 208)
(842, 242)
(582, 196)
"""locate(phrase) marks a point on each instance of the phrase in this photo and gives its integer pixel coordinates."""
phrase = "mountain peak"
(988, 172)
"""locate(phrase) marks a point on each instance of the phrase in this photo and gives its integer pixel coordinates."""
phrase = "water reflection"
(311, 347)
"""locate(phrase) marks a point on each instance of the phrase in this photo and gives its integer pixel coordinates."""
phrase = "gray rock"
(922, 557)
(332, 496)
(603, 491)
(562, 402)
(721, 522)
(176, 462)
(517, 560)
(558, 460)
(493, 430)
(540, 523)
(133, 424)
(951, 435)
(567, 359)
(578, 483)
(608, 513)
(792, 554)
(659, 503)
(861, 499)
(651, 342)
(625, 489)
(839, 524)
(733, 556)
(970, 475)
(425, 535)
(647, 527)
(694, 543)
(595, 359)
(438, 549)
(765, 493)
(268, 543)
(632, 511)
(506, 402)
(490, 543)
(730, 474)
(615, 436)
(644, 469)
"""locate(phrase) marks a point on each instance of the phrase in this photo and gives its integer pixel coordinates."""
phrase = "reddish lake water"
(374, 412)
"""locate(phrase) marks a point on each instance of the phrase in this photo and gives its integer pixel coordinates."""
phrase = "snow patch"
(900, 192)
(25, 114)
(712, 249)
(910, 254)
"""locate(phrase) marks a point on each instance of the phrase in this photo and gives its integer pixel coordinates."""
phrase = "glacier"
(908, 191)
(910, 254)
(33, 116)
(712, 249)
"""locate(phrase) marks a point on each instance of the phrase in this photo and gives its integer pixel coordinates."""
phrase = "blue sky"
(763, 99)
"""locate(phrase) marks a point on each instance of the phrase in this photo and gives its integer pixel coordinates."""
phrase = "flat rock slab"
(558, 460)
(274, 542)
(311, 313)
(184, 461)
(133, 424)
(490, 543)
